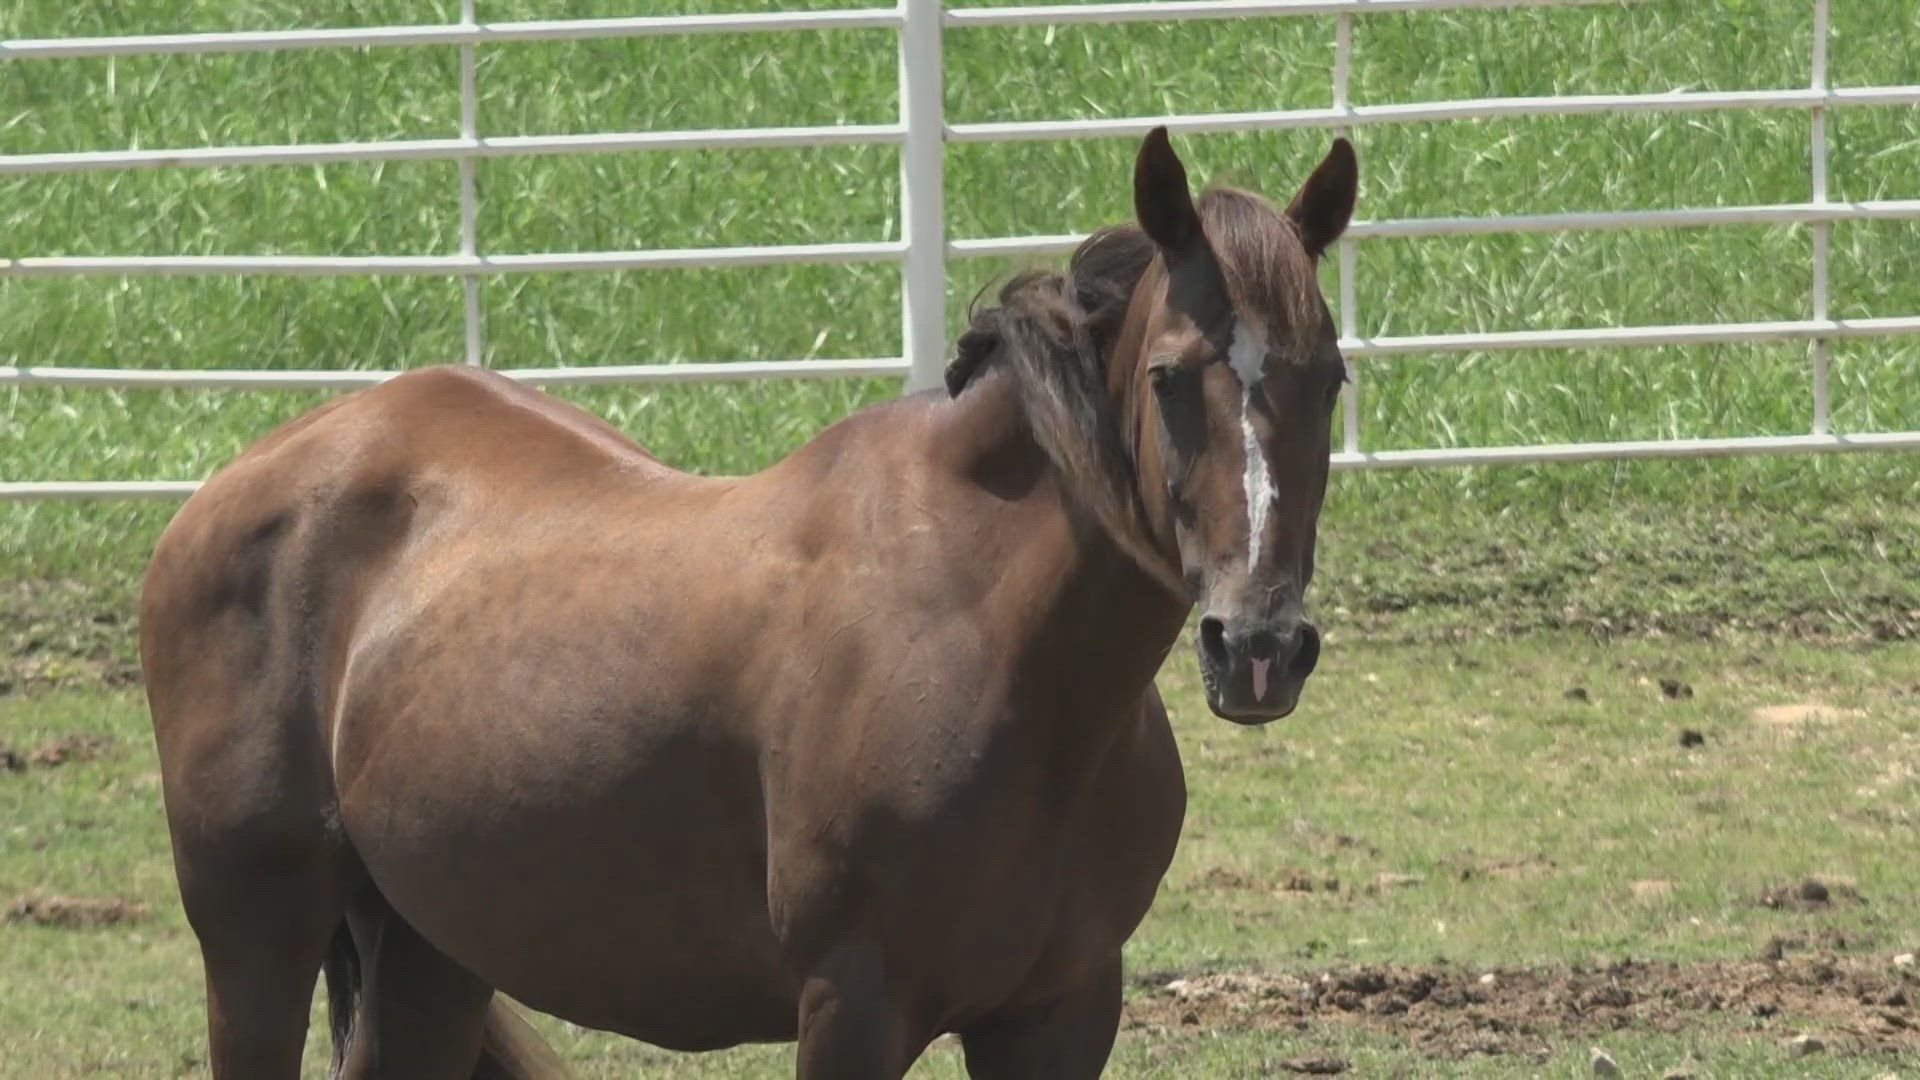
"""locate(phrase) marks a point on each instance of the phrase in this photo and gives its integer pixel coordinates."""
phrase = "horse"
(459, 695)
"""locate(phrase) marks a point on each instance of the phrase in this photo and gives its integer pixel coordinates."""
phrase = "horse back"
(252, 594)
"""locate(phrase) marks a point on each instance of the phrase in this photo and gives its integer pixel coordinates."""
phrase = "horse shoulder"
(1140, 797)
(1122, 844)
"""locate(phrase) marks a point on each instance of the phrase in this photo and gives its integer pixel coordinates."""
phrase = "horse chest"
(993, 879)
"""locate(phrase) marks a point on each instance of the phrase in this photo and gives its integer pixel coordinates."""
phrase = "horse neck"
(1135, 610)
(1104, 629)
(1110, 613)
(1092, 622)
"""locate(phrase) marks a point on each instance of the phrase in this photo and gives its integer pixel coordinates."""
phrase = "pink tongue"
(1260, 679)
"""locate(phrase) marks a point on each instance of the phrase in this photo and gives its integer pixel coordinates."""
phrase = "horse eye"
(1333, 390)
(1160, 376)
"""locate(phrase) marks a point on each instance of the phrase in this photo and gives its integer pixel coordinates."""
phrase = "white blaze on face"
(1248, 356)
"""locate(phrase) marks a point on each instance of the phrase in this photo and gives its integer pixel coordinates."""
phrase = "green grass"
(1443, 763)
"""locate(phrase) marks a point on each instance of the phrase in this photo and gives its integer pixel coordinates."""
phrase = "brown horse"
(457, 690)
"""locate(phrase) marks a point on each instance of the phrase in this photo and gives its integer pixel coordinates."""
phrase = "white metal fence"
(924, 248)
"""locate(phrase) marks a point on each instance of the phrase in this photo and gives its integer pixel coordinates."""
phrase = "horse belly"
(619, 883)
(614, 957)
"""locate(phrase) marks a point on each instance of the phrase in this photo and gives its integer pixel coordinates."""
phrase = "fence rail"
(922, 131)
(741, 370)
(466, 32)
(469, 32)
(1342, 460)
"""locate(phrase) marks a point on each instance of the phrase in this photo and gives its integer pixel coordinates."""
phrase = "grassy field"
(1447, 809)
(1550, 837)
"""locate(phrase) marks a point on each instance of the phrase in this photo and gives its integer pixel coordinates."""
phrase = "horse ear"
(1160, 197)
(1325, 203)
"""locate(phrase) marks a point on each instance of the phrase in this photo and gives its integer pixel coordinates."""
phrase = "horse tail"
(511, 1050)
(509, 1047)
(342, 971)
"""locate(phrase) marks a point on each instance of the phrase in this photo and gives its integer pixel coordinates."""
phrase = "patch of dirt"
(1302, 881)
(1825, 940)
(56, 632)
(74, 912)
(55, 753)
(1220, 879)
(69, 748)
(1294, 880)
(1467, 868)
(1651, 890)
(1630, 568)
(1675, 689)
(1384, 881)
(1812, 894)
(1858, 1005)
(1316, 1066)
(1800, 714)
(1328, 841)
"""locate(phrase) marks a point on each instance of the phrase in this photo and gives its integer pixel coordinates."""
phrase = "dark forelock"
(1267, 270)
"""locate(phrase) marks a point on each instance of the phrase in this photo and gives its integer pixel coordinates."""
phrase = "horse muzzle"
(1253, 672)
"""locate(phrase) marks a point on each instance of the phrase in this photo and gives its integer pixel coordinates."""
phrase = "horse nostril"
(1306, 653)
(1213, 640)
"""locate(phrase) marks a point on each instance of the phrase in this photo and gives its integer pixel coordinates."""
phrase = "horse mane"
(1053, 332)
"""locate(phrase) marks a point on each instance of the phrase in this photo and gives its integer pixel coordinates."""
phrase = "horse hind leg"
(418, 1015)
(263, 873)
(263, 927)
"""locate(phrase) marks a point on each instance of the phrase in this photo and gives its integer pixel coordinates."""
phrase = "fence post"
(923, 214)
(1349, 317)
(1822, 231)
(469, 195)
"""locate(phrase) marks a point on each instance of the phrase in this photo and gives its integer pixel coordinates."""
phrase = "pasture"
(1431, 813)
(1444, 806)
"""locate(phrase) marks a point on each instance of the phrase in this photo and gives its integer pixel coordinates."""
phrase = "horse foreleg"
(1067, 1039)
(852, 1024)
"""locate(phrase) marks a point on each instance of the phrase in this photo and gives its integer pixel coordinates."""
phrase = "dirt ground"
(1853, 1005)
(54, 753)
